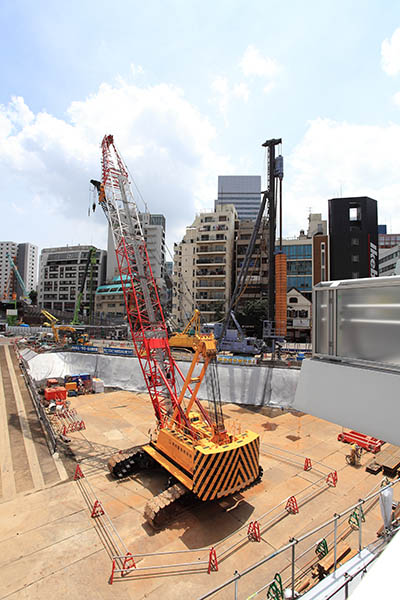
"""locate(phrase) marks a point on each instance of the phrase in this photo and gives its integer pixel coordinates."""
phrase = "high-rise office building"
(243, 191)
(353, 237)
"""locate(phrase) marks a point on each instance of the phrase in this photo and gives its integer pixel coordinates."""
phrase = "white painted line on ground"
(60, 466)
(6, 467)
(37, 476)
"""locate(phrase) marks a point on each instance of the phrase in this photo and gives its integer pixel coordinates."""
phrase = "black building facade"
(353, 233)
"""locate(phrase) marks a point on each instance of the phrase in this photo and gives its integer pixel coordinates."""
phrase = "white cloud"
(46, 162)
(225, 94)
(253, 63)
(396, 98)
(269, 87)
(390, 54)
(136, 69)
(335, 157)
(240, 90)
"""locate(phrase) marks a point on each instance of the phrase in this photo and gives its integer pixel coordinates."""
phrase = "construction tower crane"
(25, 295)
(191, 443)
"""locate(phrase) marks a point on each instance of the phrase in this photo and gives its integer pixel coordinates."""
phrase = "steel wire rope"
(193, 300)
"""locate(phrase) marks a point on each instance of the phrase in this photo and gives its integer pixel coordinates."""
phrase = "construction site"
(131, 469)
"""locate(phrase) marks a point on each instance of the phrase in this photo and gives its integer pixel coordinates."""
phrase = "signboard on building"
(301, 322)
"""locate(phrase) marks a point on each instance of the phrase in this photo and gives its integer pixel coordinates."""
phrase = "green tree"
(219, 312)
(33, 296)
(252, 315)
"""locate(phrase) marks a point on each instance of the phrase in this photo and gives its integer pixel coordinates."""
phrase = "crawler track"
(165, 506)
(129, 462)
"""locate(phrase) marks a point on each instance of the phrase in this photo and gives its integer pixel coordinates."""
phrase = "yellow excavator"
(190, 336)
(65, 330)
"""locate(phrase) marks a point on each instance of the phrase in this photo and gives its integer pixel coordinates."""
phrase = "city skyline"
(199, 108)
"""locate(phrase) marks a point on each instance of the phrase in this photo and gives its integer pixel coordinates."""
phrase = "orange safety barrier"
(97, 510)
(78, 473)
(307, 464)
(332, 479)
(291, 505)
(253, 531)
(212, 561)
(128, 564)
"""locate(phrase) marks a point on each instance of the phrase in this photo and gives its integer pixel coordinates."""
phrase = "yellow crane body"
(208, 469)
(190, 336)
(209, 462)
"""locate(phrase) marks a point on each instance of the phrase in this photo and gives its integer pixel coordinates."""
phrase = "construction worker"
(355, 454)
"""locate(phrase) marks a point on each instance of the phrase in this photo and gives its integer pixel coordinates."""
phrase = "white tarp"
(239, 384)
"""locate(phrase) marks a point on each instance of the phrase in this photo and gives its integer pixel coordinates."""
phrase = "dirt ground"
(51, 547)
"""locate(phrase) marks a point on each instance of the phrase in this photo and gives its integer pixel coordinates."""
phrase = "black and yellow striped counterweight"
(208, 469)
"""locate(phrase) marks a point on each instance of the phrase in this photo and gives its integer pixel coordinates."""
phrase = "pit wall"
(256, 386)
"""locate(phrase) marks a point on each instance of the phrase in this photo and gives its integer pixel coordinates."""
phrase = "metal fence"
(300, 552)
(50, 436)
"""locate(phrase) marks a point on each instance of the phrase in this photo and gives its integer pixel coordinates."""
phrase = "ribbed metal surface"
(223, 473)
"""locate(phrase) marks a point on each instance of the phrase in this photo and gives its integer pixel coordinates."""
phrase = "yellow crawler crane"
(213, 463)
(191, 442)
(202, 458)
(189, 337)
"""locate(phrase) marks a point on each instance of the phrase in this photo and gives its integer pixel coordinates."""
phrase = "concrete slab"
(50, 546)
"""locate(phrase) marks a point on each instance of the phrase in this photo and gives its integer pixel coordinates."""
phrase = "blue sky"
(191, 90)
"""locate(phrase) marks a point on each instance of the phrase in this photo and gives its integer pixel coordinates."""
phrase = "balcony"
(211, 284)
(212, 238)
(211, 249)
(211, 261)
(205, 308)
(210, 273)
(215, 298)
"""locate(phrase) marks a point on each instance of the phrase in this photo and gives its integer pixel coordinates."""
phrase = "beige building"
(203, 266)
(109, 300)
(256, 286)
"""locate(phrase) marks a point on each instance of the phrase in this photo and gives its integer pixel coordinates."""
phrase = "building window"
(355, 213)
(355, 242)
(355, 275)
(355, 258)
(293, 300)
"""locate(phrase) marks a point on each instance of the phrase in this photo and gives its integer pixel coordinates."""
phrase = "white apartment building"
(243, 191)
(25, 257)
(60, 276)
(203, 265)
(153, 226)
(27, 263)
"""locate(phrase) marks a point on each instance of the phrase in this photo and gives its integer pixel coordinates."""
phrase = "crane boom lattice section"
(143, 308)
